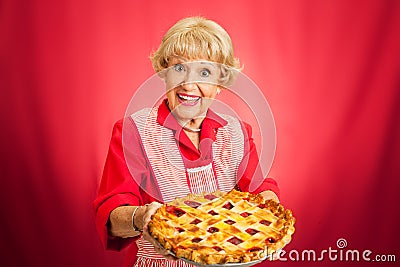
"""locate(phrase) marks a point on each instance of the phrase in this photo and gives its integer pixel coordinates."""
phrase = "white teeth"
(189, 98)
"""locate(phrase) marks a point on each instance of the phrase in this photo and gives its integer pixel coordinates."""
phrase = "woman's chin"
(188, 113)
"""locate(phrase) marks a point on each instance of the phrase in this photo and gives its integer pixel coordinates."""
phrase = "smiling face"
(191, 87)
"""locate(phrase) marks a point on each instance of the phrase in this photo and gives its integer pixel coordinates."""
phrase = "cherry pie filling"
(192, 204)
(234, 240)
(196, 221)
(230, 222)
(213, 212)
(176, 211)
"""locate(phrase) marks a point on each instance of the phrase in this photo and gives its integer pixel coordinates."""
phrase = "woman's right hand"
(141, 220)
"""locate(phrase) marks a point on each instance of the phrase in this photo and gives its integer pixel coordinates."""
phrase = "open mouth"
(188, 100)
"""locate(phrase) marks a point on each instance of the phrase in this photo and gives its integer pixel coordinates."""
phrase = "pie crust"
(219, 228)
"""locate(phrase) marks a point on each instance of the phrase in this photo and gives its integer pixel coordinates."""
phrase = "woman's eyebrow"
(208, 63)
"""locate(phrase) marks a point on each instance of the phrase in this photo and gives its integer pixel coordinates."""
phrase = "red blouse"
(118, 187)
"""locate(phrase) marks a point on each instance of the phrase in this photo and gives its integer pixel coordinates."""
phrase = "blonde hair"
(197, 38)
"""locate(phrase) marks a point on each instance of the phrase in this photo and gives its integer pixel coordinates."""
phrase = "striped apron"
(175, 180)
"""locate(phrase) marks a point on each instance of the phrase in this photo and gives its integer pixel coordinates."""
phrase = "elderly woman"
(206, 151)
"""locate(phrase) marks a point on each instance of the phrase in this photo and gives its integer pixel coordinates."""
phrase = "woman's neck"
(192, 124)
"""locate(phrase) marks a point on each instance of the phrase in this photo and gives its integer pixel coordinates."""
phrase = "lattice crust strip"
(222, 228)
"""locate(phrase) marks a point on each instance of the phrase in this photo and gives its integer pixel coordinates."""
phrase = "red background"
(329, 69)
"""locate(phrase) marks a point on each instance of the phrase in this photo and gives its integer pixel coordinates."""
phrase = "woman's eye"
(205, 73)
(179, 67)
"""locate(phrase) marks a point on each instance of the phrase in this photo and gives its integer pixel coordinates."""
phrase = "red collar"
(211, 122)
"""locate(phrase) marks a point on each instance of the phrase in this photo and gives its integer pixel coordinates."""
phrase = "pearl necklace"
(191, 129)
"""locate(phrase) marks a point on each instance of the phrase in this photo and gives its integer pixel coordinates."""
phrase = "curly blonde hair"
(197, 38)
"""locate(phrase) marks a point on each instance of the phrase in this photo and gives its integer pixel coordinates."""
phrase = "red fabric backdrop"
(329, 70)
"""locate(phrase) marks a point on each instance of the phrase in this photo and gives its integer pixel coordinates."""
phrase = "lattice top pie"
(218, 228)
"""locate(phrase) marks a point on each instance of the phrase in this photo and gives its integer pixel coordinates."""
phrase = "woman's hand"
(268, 194)
(121, 223)
(145, 216)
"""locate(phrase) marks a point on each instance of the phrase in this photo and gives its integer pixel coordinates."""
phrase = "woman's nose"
(189, 86)
(190, 80)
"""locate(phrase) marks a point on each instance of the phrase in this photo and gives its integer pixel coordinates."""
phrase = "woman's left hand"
(268, 194)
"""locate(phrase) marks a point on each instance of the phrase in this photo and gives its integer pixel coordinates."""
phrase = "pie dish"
(222, 228)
